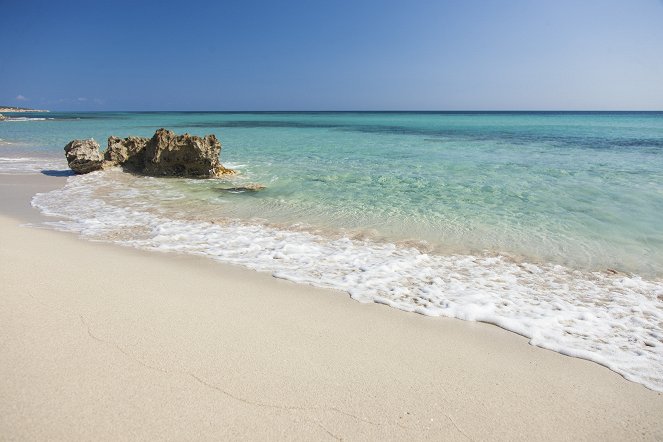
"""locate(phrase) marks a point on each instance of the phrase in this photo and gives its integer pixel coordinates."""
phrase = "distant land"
(19, 109)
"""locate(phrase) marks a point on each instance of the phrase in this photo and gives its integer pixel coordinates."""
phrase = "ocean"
(548, 224)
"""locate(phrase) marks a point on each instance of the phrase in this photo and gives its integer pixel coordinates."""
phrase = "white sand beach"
(100, 342)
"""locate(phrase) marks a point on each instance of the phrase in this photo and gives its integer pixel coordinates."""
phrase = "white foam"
(27, 119)
(235, 166)
(614, 320)
(11, 165)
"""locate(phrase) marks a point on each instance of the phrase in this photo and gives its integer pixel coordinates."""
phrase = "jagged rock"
(83, 156)
(184, 155)
(2, 117)
(165, 154)
(128, 152)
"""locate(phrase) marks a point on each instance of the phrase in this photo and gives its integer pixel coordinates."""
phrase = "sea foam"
(27, 119)
(613, 319)
(12, 165)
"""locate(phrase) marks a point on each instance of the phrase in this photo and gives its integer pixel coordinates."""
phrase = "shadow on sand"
(58, 172)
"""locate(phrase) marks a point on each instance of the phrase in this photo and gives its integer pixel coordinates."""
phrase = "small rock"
(223, 171)
(83, 156)
(248, 188)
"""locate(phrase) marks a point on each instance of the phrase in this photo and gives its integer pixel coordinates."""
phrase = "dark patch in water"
(256, 125)
(524, 136)
(241, 189)
(72, 116)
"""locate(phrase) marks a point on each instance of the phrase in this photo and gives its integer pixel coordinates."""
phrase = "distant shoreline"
(9, 109)
(19, 109)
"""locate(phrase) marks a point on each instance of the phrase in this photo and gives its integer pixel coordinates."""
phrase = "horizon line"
(350, 110)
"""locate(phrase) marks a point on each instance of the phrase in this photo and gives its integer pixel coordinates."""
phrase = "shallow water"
(547, 224)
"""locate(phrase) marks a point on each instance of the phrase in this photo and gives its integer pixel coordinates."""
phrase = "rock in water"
(83, 156)
(165, 154)
(2, 117)
(253, 187)
(128, 152)
(168, 154)
(220, 171)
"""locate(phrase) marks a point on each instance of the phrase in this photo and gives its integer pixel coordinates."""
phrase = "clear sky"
(332, 55)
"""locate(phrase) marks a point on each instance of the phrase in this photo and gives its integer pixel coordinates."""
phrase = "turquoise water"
(546, 224)
(579, 189)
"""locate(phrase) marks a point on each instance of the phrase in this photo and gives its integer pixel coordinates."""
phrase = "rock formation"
(165, 154)
(83, 156)
(184, 155)
(2, 117)
(128, 152)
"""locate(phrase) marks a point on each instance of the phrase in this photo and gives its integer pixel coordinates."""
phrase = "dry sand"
(100, 342)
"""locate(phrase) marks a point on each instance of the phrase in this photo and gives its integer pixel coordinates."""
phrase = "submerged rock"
(165, 154)
(83, 156)
(253, 187)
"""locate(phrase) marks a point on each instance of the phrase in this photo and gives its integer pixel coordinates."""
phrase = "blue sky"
(332, 55)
